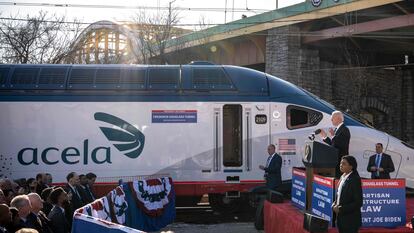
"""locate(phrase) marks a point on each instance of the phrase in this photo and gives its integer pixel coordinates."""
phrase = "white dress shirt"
(341, 184)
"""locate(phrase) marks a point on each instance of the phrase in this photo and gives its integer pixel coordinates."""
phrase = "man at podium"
(340, 138)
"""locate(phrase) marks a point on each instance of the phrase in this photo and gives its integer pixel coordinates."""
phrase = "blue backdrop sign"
(299, 188)
(322, 196)
(383, 203)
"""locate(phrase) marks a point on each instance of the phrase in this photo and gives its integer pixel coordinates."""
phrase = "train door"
(241, 137)
(232, 140)
(232, 149)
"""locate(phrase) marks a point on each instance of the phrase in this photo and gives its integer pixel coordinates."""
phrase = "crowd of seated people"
(35, 205)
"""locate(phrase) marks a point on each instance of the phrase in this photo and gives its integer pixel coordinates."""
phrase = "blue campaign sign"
(174, 116)
(383, 203)
(322, 197)
(298, 188)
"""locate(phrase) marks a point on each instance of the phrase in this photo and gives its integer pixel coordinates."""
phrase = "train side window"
(108, 76)
(232, 135)
(211, 78)
(4, 72)
(26, 76)
(133, 78)
(299, 117)
(164, 78)
(82, 76)
(52, 76)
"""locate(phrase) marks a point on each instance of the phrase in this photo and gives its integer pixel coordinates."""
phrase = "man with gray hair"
(37, 219)
(340, 138)
(22, 204)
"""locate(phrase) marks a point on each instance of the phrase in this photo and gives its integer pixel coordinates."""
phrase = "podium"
(320, 159)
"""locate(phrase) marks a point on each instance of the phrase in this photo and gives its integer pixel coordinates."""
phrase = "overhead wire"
(166, 8)
(393, 34)
(128, 7)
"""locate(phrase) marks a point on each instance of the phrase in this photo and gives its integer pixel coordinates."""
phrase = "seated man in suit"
(91, 178)
(273, 174)
(380, 165)
(75, 199)
(57, 217)
(38, 219)
(22, 204)
(83, 190)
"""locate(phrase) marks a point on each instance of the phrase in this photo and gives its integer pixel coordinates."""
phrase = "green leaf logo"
(127, 139)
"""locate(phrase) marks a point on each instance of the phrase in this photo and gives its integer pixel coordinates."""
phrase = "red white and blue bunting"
(84, 223)
(153, 195)
(112, 207)
(147, 205)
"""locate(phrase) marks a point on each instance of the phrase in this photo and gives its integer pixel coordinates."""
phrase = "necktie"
(377, 164)
(76, 192)
(268, 161)
(90, 193)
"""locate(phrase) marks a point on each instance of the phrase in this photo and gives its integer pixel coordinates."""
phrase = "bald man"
(5, 217)
(340, 138)
(37, 218)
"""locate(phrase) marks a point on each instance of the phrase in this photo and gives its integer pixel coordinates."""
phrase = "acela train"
(208, 126)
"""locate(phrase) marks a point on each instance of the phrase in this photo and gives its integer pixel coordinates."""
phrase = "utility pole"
(277, 4)
(225, 12)
(232, 12)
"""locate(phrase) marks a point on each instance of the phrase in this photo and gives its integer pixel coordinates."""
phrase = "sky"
(190, 12)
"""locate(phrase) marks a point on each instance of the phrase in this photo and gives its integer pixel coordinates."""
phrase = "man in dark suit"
(380, 165)
(47, 205)
(273, 174)
(72, 189)
(84, 191)
(340, 138)
(74, 195)
(348, 202)
(57, 217)
(5, 218)
(91, 178)
(22, 203)
(41, 183)
(37, 218)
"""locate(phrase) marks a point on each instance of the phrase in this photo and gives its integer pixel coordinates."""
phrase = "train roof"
(166, 79)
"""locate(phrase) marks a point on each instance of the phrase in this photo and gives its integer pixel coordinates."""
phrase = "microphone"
(318, 131)
(312, 137)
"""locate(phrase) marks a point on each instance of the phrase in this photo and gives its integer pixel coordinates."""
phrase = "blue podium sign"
(383, 203)
(322, 197)
(298, 188)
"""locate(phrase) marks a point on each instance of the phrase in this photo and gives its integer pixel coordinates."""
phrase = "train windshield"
(349, 114)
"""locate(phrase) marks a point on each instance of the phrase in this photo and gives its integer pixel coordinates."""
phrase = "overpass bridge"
(357, 54)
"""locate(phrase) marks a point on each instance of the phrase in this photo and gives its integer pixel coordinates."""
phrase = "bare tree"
(36, 39)
(154, 30)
